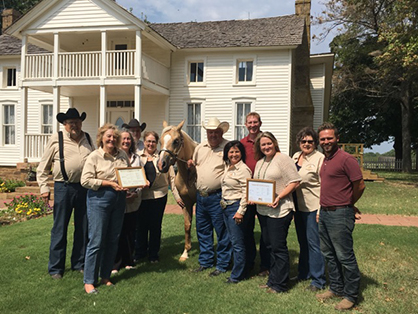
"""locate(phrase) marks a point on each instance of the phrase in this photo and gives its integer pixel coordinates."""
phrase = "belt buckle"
(204, 193)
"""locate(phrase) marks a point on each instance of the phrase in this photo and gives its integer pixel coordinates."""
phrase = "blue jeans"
(275, 232)
(335, 232)
(209, 215)
(105, 211)
(66, 198)
(311, 262)
(236, 235)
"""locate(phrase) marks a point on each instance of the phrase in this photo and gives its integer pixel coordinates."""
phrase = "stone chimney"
(303, 9)
(9, 16)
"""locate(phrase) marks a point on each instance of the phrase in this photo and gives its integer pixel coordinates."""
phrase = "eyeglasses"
(306, 141)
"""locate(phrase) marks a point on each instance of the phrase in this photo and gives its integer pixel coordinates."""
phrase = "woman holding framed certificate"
(234, 204)
(275, 218)
(124, 257)
(105, 206)
(154, 199)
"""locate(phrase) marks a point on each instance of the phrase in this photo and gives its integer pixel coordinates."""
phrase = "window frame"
(199, 126)
(5, 77)
(237, 61)
(188, 71)
(46, 103)
(248, 100)
(4, 126)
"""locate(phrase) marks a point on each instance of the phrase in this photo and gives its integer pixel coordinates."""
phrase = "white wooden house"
(96, 56)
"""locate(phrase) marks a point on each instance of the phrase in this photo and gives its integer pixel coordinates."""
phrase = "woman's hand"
(238, 218)
(114, 186)
(190, 163)
(275, 203)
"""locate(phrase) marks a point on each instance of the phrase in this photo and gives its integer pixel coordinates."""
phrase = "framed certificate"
(131, 177)
(261, 191)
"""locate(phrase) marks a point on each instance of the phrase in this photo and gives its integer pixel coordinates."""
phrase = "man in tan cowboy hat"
(68, 193)
(136, 128)
(207, 159)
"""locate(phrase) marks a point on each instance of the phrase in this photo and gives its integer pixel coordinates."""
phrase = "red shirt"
(249, 152)
(337, 174)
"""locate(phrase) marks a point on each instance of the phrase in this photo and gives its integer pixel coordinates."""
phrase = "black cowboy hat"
(134, 123)
(71, 113)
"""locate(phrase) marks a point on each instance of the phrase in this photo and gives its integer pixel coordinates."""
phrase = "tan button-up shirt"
(234, 184)
(160, 185)
(75, 155)
(209, 166)
(308, 191)
(101, 166)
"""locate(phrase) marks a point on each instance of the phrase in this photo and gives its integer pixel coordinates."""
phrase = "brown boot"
(344, 305)
(326, 295)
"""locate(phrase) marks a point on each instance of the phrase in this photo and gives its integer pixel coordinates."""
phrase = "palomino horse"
(176, 145)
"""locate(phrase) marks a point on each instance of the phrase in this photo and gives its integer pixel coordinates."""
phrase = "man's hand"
(190, 163)
(46, 196)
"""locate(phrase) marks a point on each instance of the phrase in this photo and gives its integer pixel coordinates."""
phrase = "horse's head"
(171, 141)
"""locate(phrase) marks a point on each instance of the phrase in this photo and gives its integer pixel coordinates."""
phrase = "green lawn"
(386, 256)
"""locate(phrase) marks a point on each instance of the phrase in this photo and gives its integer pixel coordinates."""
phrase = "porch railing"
(120, 63)
(78, 65)
(39, 65)
(34, 145)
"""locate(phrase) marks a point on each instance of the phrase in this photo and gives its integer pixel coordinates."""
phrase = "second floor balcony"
(94, 65)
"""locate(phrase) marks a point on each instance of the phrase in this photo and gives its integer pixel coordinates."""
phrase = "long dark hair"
(236, 144)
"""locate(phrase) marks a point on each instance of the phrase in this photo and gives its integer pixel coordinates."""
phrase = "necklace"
(265, 170)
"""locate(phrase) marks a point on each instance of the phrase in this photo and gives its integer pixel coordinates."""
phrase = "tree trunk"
(406, 114)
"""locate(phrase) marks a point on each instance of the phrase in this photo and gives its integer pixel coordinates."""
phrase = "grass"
(386, 256)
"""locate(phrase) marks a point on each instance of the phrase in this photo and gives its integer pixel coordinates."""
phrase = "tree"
(382, 35)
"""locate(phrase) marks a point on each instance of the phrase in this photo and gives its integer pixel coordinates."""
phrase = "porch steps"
(370, 176)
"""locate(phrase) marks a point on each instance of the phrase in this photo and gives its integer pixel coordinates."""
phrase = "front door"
(119, 116)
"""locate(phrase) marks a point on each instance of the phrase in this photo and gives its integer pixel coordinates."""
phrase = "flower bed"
(7, 186)
(24, 207)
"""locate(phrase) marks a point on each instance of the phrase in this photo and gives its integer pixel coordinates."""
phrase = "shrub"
(10, 185)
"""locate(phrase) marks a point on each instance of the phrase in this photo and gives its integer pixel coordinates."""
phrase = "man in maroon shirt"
(341, 187)
(253, 124)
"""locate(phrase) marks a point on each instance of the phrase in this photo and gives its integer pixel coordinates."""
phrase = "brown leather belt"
(333, 208)
(207, 193)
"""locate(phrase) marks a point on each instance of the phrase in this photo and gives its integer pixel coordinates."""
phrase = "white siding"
(78, 13)
(270, 93)
(318, 92)
(153, 112)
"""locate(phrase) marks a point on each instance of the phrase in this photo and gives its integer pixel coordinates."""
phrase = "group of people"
(115, 226)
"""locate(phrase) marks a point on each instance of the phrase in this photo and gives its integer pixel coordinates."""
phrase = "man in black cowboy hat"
(136, 128)
(68, 193)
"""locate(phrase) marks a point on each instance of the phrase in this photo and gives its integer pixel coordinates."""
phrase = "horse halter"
(174, 156)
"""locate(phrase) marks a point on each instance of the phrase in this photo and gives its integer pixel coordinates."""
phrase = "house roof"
(264, 32)
(10, 45)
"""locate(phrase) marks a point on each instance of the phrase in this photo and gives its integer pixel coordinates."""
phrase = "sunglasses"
(306, 141)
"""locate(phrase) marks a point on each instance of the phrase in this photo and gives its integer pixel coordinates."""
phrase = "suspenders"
(61, 152)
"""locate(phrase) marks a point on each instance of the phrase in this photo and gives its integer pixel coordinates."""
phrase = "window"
(242, 109)
(47, 119)
(9, 124)
(11, 77)
(245, 71)
(194, 121)
(196, 72)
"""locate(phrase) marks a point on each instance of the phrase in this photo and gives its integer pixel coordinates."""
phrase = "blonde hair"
(103, 129)
(257, 150)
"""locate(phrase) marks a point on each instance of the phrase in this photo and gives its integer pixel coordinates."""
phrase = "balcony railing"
(34, 145)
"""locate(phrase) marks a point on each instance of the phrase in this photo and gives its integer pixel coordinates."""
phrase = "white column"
(23, 111)
(102, 108)
(104, 48)
(56, 50)
(138, 55)
(138, 75)
(55, 107)
(137, 99)
(23, 100)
